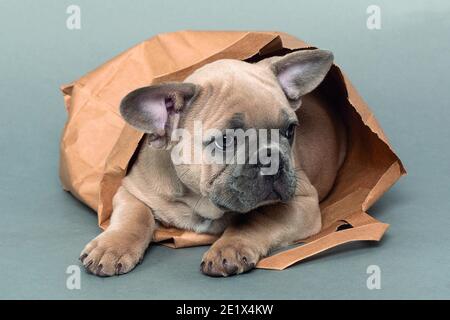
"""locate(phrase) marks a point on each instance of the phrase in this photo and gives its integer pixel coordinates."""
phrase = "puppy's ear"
(301, 72)
(156, 109)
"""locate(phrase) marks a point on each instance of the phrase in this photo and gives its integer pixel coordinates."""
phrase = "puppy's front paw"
(229, 257)
(113, 253)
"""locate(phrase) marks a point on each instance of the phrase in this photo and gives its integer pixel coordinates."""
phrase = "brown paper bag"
(97, 145)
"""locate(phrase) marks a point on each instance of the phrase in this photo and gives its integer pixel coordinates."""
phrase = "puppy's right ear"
(300, 72)
(156, 109)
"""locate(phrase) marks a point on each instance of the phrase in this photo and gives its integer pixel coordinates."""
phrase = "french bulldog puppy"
(253, 211)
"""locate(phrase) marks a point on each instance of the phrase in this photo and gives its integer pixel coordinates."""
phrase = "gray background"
(401, 70)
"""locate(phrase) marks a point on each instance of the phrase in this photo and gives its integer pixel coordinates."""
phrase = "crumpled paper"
(97, 145)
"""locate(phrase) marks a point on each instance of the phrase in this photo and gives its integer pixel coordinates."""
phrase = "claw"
(119, 268)
(83, 257)
(99, 269)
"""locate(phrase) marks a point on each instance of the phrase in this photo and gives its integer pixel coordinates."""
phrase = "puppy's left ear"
(156, 109)
(301, 72)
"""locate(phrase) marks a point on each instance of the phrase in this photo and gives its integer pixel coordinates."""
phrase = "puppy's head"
(230, 125)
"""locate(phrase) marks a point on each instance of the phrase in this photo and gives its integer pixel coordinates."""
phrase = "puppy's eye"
(290, 131)
(224, 143)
